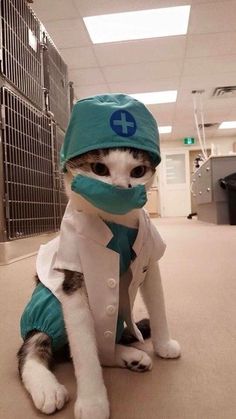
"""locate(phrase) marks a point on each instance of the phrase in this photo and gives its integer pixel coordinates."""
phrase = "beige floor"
(199, 275)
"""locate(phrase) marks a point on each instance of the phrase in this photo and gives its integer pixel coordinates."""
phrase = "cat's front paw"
(169, 349)
(50, 398)
(47, 393)
(92, 408)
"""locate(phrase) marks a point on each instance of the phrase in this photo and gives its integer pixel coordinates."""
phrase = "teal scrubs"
(44, 311)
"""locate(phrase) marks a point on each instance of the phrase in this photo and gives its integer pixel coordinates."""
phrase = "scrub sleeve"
(44, 313)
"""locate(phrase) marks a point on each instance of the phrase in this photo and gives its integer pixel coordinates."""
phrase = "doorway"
(175, 183)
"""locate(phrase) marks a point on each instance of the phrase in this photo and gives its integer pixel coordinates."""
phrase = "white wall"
(223, 146)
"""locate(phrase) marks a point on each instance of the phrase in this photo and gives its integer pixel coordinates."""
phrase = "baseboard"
(14, 250)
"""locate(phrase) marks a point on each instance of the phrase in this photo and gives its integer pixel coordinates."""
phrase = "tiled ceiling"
(205, 58)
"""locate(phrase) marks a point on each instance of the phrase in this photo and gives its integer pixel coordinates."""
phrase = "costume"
(114, 259)
(92, 235)
(44, 311)
(112, 120)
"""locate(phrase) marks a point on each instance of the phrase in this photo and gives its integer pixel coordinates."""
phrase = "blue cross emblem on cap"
(123, 123)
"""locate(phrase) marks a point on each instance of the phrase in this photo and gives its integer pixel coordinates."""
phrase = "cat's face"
(122, 167)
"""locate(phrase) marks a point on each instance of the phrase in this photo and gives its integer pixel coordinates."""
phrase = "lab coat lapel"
(142, 233)
(75, 226)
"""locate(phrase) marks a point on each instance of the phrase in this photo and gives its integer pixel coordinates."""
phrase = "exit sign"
(189, 140)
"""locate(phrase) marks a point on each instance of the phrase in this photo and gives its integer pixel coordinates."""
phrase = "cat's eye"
(138, 171)
(100, 169)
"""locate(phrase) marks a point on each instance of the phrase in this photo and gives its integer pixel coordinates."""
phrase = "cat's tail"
(144, 327)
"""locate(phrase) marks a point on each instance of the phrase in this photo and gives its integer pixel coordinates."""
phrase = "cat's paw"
(133, 359)
(169, 349)
(50, 397)
(47, 393)
(92, 408)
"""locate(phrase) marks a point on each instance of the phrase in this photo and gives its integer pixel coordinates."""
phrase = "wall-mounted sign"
(189, 140)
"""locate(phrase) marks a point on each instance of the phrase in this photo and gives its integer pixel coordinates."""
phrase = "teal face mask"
(109, 198)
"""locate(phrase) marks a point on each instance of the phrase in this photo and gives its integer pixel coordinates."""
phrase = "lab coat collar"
(88, 225)
(94, 228)
(142, 232)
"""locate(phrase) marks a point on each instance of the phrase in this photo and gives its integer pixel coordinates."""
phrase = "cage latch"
(2, 117)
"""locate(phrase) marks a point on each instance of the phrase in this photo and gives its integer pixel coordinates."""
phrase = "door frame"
(163, 185)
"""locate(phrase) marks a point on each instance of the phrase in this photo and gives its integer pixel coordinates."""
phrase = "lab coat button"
(111, 282)
(108, 334)
(110, 310)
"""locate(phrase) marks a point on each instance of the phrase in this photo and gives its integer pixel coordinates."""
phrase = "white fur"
(47, 393)
(92, 399)
(152, 293)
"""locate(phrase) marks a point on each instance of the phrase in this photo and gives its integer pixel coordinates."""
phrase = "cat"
(125, 168)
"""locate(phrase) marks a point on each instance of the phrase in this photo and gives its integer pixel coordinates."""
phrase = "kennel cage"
(34, 97)
(56, 85)
(60, 195)
(21, 61)
(30, 191)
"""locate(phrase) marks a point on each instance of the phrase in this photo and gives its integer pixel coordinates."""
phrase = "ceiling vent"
(209, 125)
(225, 92)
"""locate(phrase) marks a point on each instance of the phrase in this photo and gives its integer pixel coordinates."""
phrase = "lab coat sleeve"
(158, 246)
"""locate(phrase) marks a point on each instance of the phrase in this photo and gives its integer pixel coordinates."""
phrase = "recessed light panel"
(152, 98)
(143, 24)
(165, 129)
(227, 125)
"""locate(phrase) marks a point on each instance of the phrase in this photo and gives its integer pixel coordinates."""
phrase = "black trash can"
(229, 183)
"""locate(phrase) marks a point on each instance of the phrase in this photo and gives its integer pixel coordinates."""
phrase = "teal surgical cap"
(109, 121)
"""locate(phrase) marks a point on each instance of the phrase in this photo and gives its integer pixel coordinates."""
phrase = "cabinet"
(210, 198)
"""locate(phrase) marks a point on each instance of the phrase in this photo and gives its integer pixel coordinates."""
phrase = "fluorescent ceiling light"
(227, 125)
(165, 129)
(152, 98)
(141, 24)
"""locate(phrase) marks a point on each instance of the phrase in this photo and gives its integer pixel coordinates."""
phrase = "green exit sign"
(189, 140)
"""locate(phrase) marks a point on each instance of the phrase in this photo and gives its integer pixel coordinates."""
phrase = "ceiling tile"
(145, 85)
(146, 51)
(86, 76)
(220, 103)
(212, 17)
(203, 45)
(54, 9)
(232, 115)
(203, 59)
(214, 115)
(142, 71)
(164, 113)
(203, 81)
(80, 57)
(225, 133)
(165, 137)
(209, 65)
(68, 33)
(93, 89)
(184, 113)
(184, 130)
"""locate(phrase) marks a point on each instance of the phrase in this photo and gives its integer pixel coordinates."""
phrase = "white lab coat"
(81, 247)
